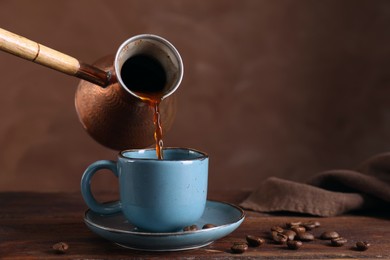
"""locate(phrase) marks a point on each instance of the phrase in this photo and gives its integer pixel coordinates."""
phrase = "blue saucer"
(226, 218)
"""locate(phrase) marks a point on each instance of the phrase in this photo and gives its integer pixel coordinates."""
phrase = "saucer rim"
(165, 250)
(157, 234)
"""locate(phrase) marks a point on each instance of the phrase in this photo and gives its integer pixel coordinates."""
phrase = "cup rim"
(202, 156)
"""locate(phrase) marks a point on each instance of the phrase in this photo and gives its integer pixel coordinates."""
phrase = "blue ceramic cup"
(155, 195)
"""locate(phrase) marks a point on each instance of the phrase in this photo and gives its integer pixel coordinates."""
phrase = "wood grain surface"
(30, 223)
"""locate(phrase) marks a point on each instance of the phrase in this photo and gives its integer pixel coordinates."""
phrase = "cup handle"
(93, 204)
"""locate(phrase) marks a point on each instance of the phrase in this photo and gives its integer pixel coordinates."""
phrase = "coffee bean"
(328, 235)
(277, 229)
(309, 225)
(339, 241)
(290, 234)
(305, 236)
(191, 228)
(291, 224)
(239, 247)
(60, 248)
(362, 245)
(317, 224)
(254, 241)
(206, 226)
(294, 245)
(298, 229)
(278, 238)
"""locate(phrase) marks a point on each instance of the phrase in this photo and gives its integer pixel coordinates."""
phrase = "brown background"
(271, 88)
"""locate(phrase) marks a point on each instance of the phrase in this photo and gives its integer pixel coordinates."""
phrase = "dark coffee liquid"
(158, 132)
(145, 76)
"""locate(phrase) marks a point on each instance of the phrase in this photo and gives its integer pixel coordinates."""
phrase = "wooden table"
(30, 223)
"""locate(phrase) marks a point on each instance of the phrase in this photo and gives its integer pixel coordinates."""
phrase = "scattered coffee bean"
(278, 238)
(317, 224)
(290, 234)
(60, 248)
(291, 224)
(339, 241)
(293, 237)
(362, 245)
(298, 229)
(191, 228)
(294, 245)
(277, 229)
(305, 236)
(328, 235)
(254, 241)
(309, 225)
(206, 226)
(239, 247)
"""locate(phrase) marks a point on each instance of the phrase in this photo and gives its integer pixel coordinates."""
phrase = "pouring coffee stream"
(119, 96)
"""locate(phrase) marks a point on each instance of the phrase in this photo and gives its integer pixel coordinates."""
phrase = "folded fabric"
(328, 193)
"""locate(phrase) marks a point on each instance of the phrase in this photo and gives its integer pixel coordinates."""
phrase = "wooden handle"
(38, 53)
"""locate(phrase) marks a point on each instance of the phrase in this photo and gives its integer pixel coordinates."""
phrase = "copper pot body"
(115, 115)
(115, 118)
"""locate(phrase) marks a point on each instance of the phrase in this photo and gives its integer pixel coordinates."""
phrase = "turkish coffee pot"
(114, 112)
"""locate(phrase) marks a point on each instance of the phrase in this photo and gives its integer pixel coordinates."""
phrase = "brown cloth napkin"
(328, 193)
